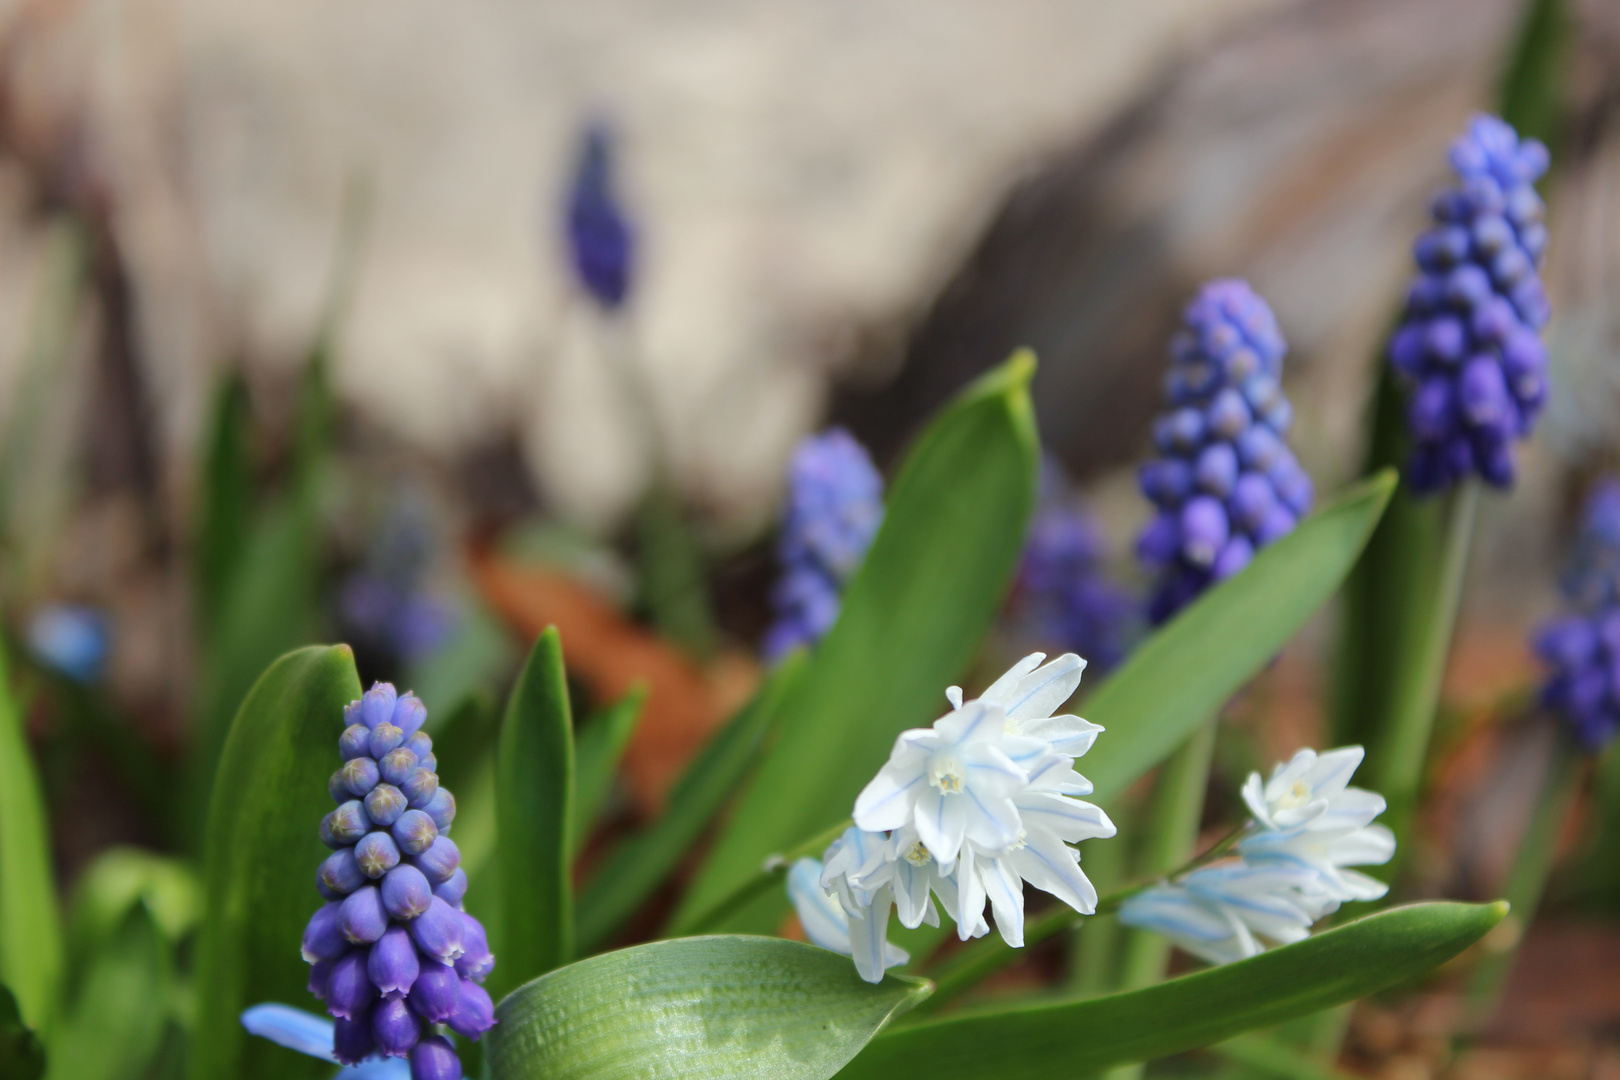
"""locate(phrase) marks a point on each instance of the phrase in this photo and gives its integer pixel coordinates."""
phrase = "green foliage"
(30, 927)
(674, 585)
(714, 1007)
(21, 1055)
(263, 847)
(635, 868)
(118, 880)
(534, 795)
(125, 1001)
(225, 497)
(601, 743)
(1532, 92)
(913, 615)
(1073, 1038)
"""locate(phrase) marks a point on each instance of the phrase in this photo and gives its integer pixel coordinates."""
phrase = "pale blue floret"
(310, 1034)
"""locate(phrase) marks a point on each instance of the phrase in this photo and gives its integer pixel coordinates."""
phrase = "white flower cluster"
(1291, 866)
(966, 810)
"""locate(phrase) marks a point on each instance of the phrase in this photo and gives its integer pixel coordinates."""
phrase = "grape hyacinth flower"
(72, 639)
(1582, 648)
(393, 952)
(1225, 483)
(1062, 585)
(1469, 346)
(316, 1036)
(834, 508)
(601, 244)
(1291, 868)
(966, 811)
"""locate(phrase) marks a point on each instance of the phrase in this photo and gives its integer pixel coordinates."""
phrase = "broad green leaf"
(263, 847)
(1186, 672)
(123, 877)
(21, 1055)
(30, 926)
(637, 867)
(1073, 1038)
(929, 588)
(225, 496)
(117, 1020)
(712, 1007)
(534, 769)
(601, 743)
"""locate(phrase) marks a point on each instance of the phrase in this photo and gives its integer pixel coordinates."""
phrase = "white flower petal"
(1001, 691)
(886, 802)
(1066, 734)
(868, 938)
(1065, 818)
(990, 771)
(1040, 693)
(992, 823)
(1332, 771)
(977, 721)
(941, 822)
(1351, 809)
(823, 919)
(1005, 890)
(1046, 863)
(1254, 796)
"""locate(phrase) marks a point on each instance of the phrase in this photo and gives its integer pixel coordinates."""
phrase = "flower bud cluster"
(834, 508)
(965, 811)
(1583, 647)
(1469, 345)
(1225, 483)
(392, 952)
(1292, 865)
(1062, 585)
(600, 241)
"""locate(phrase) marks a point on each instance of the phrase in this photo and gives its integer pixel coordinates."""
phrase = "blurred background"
(311, 329)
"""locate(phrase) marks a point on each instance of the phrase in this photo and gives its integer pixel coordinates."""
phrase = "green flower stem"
(1526, 879)
(771, 874)
(1402, 746)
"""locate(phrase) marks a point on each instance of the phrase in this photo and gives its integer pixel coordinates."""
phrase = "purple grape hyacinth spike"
(601, 244)
(1225, 484)
(833, 510)
(383, 946)
(1581, 649)
(1469, 344)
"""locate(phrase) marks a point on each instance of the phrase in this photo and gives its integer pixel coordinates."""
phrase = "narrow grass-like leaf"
(720, 1008)
(1185, 673)
(1074, 1038)
(117, 1021)
(262, 850)
(225, 496)
(637, 867)
(601, 743)
(919, 606)
(30, 925)
(21, 1055)
(534, 795)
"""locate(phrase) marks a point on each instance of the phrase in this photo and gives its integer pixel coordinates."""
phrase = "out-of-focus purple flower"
(1592, 579)
(1469, 345)
(601, 244)
(1063, 589)
(1582, 648)
(382, 945)
(834, 508)
(1225, 483)
(72, 639)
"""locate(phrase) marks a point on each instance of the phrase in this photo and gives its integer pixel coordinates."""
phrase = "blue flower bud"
(376, 854)
(349, 992)
(323, 938)
(377, 704)
(439, 861)
(600, 240)
(392, 965)
(385, 805)
(475, 1013)
(1237, 554)
(345, 825)
(1229, 414)
(441, 808)
(436, 993)
(1252, 499)
(1217, 469)
(406, 892)
(1160, 542)
(351, 1040)
(397, 765)
(428, 762)
(453, 888)
(394, 1027)
(385, 737)
(361, 917)
(339, 875)
(419, 786)
(355, 741)
(419, 744)
(414, 832)
(435, 1059)
(475, 961)
(437, 931)
(1167, 482)
(337, 786)
(360, 775)
(1204, 531)
(409, 714)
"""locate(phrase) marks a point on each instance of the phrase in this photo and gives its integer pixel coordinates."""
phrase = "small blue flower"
(312, 1035)
(1469, 345)
(1061, 584)
(600, 241)
(72, 639)
(1582, 648)
(834, 508)
(1225, 483)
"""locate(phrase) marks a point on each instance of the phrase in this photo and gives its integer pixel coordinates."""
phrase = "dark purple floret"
(475, 1012)
(437, 992)
(395, 1028)
(1062, 585)
(319, 973)
(435, 1059)
(442, 809)
(475, 961)
(454, 889)
(439, 861)
(393, 964)
(833, 510)
(437, 931)
(1592, 579)
(323, 937)
(406, 892)
(340, 874)
(361, 918)
(349, 990)
(1226, 483)
(1582, 648)
(1469, 345)
(351, 1040)
(600, 243)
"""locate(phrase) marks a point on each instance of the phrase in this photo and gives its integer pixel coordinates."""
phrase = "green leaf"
(30, 927)
(637, 867)
(1185, 673)
(534, 781)
(710, 1007)
(928, 590)
(225, 498)
(117, 1021)
(1073, 1038)
(263, 847)
(21, 1055)
(118, 880)
(602, 739)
